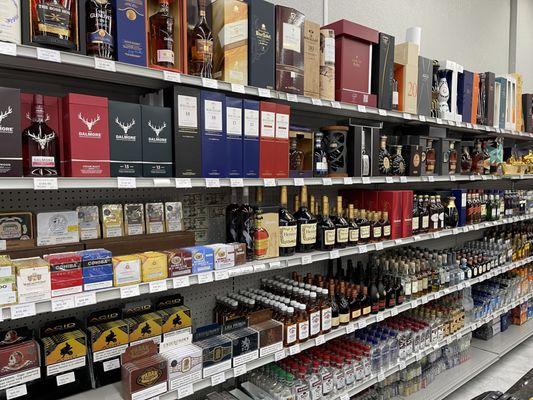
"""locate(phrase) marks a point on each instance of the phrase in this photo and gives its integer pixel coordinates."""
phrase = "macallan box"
(10, 133)
(86, 136)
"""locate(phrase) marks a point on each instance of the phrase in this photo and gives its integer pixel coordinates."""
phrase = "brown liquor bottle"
(306, 223)
(364, 228)
(200, 44)
(477, 158)
(162, 36)
(303, 323)
(100, 41)
(335, 320)
(377, 228)
(355, 304)
(313, 314)
(325, 311)
(287, 227)
(341, 226)
(452, 158)
(290, 335)
(344, 305)
(431, 157)
(353, 232)
(386, 226)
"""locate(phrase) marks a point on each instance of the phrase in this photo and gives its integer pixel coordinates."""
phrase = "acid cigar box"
(97, 265)
(144, 324)
(176, 318)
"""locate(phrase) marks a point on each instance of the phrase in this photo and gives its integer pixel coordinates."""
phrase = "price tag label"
(269, 182)
(382, 112)
(274, 265)
(126, 183)
(292, 97)
(62, 303)
(212, 182)
(361, 109)
(422, 118)
(436, 235)
(237, 88)
(210, 83)
(402, 364)
(264, 92)
(105, 65)
(183, 183)
(16, 391)
(362, 323)
(406, 116)
(484, 177)
(3, 245)
(129, 291)
(299, 182)
(363, 248)
(294, 349)
(219, 378)
(179, 282)
(473, 177)
(403, 179)
(334, 254)
(307, 259)
(431, 178)
(452, 178)
(85, 299)
(170, 76)
(350, 328)
(449, 339)
(439, 121)
(221, 275)
(379, 246)
(23, 310)
(316, 102)
(8, 49)
(336, 104)
(260, 267)
(389, 179)
(320, 340)
(347, 181)
(236, 182)
(158, 286)
(48, 55)
(205, 277)
(380, 317)
(186, 390)
(381, 376)
(469, 125)
(366, 180)
(240, 370)
(418, 356)
(280, 355)
(344, 396)
(327, 181)
(161, 182)
(394, 311)
(45, 184)
(398, 241)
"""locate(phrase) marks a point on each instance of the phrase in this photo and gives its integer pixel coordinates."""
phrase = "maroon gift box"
(86, 136)
(407, 213)
(391, 201)
(282, 141)
(267, 140)
(353, 58)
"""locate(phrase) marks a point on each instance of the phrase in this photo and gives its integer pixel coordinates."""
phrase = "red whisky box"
(355, 197)
(391, 201)
(66, 274)
(353, 62)
(267, 140)
(371, 200)
(282, 141)
(407, 213)
(86, 136)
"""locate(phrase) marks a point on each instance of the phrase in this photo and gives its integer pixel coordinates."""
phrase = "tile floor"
(499, 376)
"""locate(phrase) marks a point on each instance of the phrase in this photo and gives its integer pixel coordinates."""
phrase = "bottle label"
(287, 236)
(425, 221)
(291, 334)
(344, 318)
(316, 389)
(377, 231)
(356, 313)
(327, 383)
(321, 166)
(292, 37)
(365, 165)
(367, 310)
(203, 51)
(354, 235)
(359, 372)
(314, 319)
(329, 237)
(42, 162)
(234, 121)
(302, 392)
(364, 232)
(342, 235)
(406, 287)
(375, 307)
(414, 287)
(381, 303)
(260, 244)
(349, 376)
(308, 233)
(303, 330)
(165, 56)
(435, 221)
(386, 230)
(415, 223)
(340, 381)
(335, 321)
(187, 111)
(326, 319)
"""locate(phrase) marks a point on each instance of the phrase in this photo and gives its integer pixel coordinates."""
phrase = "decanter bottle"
(384, 161)
(398, 162)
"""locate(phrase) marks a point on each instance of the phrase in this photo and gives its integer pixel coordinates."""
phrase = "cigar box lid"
(86, 99)
(347, 28)
(12, 336)
(169, 301)
(19, 357)
(57, 258)
(59, 326)
(94, 254)
(103, 316)
(139, 351)
(31, 262)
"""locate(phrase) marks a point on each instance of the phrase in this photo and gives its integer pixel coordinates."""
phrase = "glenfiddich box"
(261, 35)
(125, 139)
(10, 22)
(289, 50)
(464, 95)
(527, 108)
(10, 132)
(230, 47)
(282, 141)
(311, 59)
(86, 136)
(327, 64)
(157, 141)
(130, 31)
(267, 141)
(425, 86)
(234, 137)
(250, 156)
(353, 55)
(383, 70)
(213, 121)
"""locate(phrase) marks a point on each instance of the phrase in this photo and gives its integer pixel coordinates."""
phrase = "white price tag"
(362, 323)
(436, 235)
(269, 182)
(236, 182)
(212, 182)
(389, 179)
(439, 121)
(126, 183)
(334, 254)
(398, 241)
(181, 281)
(240, 370)
(292, 97)
(45, 184)
(65, 379)
(361, 109)
(381, 376)
(158, 286)
(422, 118)
(48, 55)
(484, 177)
(264, 92)
(469, 125)
(406, 116)
(366, 180)
(218, 378)
(299, 181)
(363, 248)
(171, 76)
(394, 311)
(105, 65)
(473, 177)
(327, 181)
(85, 299)
(350, 328)
(63, 303)
(16, 391)
(307, 259)
(347, 181)
(205, 277)
(320, 340)
(380, 317)
(452, 178)
(161, 182)
(402, 364)
(382, 112)
(344, 396)
(3, 245)
(280, 355)
(274, 265)
(237, 88)
(418, 356)
(23, 310)
(210, 83)
(316, 102)
(449, 339)
(431, 178)
(260, 267)
(183, 183)
(186, 390)
(379, 246)
(336, 104)
(221, 275)
(129, 291)
(8, 49)
(403, 179)
(294, 349)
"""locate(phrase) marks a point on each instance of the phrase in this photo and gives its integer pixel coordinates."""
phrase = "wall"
(524, 43)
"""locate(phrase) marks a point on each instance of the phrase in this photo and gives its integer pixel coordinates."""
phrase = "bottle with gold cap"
(353, 228)
(287, 227)
(377, 229)
(326, 228)
(385, 223)
(364, 227)
(341, 225)
(306, 224)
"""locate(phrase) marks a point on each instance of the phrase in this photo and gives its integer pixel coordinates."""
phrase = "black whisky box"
(425, 83)
(383, 70)
(413, 159)
(10, 132)
(261, 52)
(488, 93)
(185, 104)
(361, 142)
(442, 150)
(157, 141)
(125, 139)
(527, 109)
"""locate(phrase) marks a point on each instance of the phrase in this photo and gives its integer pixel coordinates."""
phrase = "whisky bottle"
(386, 226)
(200, 44)
(40, 144)
(344, 306)
(320, 162)
(377, 228)
(288, 230)
(260, 235)
(469, 209)
(365, 158)
(296, 157)
(395, 94)
(398, 162)
(486, 159)
(306, 223)
(373, 293)
(231, 223)
(384, 161)
(430, 157)
(355, 304)
(364, 228)
(451, 215)
(245, 222)
(302, 323)
(353, 232)
(424, 213)
(466, 161)
(440, 208)
(416, 216)
(477, 159)
(325, 311)
(162, 36)
(326, 228)
(99, 24)
(289, 325)
(313, 313)
(341, 225)
(335, 321)
(52, 23)
(452, 159)
(433, 215)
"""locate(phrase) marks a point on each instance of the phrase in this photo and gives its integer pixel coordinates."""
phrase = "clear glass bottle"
(320, 162)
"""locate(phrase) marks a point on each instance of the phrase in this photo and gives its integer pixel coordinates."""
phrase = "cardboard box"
(464, 94)
(361, 139)
(250, 150)
(184, 365)
(407, 78)
(57, 227)
(97, 268)
(175, 320)
(527, 107)
(213, 123)
(391, 201)
(157, 141)
(10, 27)
(33, 279)
(327, 64)
(311, 59)
(202, 259)
(282, 141)
(126, 270)
(487, 95)
(460, 204)
(267, 142)
(144, 327)
(407, 213)
(302, 139)
(425, 86)
(511, 105)
(475, 99)
(179, 262)
(153, 266)
(452, 70)
(223, 255)
(10, 129)
(502, 106)
(66, 275)
(262, 48)
(271, 224)
(383, 70)
(234, 137)
(130, 31)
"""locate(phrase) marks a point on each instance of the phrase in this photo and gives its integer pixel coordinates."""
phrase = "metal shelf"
(504, 342)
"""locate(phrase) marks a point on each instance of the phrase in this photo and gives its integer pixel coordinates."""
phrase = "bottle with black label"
(287, 228)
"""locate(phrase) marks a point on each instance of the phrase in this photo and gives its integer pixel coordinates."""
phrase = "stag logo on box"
(89, 123)
(158, 130)
(3, 115)
(125, 128)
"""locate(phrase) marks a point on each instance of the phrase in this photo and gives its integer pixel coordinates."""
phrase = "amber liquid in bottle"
(306, 225)
(162, 36)
(353, 228)
(364, 228)
(290, 336)
(355, 304)
(386, 226)
(341, 226)
(313, 314)
(377, 228)
(288, 229)
(201, 46)
(344, 305)
(335, 320)
(326, 228)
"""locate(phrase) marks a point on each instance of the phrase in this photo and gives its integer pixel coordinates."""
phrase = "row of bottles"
(430, 214)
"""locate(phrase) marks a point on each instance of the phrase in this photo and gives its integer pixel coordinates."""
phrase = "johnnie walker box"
(86, 136)
(130, 31)
(10, 133)
(213, 121)
(234, 137)
(383, 70)
(185, 103)
(125, 139)
(425, 86)
(261, 35)
(250, 156)
(157, 141)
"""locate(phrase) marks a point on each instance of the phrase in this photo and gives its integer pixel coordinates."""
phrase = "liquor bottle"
(395, 94)
(99, 24)
(353, 232)
(344, 305)
(339, 276)
(424, 213)
(289, 324)
(260, 235)
(200, 44)
(431, 157)
(365, 158)
(390, 291)
(469, 209)
(306, 223)
(335, 321)
(52, 23)
(231, 223)
(384, 161)
(296, 203)
(483, 207)
(313, 313)
(341, 226)
(377, 228)
(302, 322)
(355, 304)
(477, 159)
(326, 228)
(245, 222)
(451, 215)
(325, 311)
(288, 230)
(400, 292)
(40, 144)
(452, 159)
(398, 162)
(416, 216)
(486, 159)
(440, 209)
(373, 293)
(162, 36)
(386, 226)
(364, 228)
(466, 161)
(320, 161)
(296, 157)
(381, 289)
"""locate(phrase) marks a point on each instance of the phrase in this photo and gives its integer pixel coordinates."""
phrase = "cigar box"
(270, 336)
(65, 273)
(261, 33)
(184, 364)
(179, 262)
(134, 219)
(63, 347)
(240, 252)
(144, 327)
(173, 216)
(10, 129)
(245, 341)
(97, 269)
(112, 220)
(144, 372)
(16, 226)
(19, 364)
(175, 320)
(216, 349)
(155, 218)
(88, 222)
(57, 227)
(202, 258)
(8, 282)
(311, 59)
(153, 266)
(327, 64)
(223, 255)
(33, 279)
(126, 270)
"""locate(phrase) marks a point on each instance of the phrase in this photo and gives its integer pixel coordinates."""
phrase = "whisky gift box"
(475, 99)
(497, 101)
(353, 55)
(185, 103)
(486, 96)
(234, 137)
(261, 35)
(213, 121)
(452, 70)
(10, 27)
(527, 107)
(383, 70)
(267, 142)
(391, 201)
(502, 113)
(464, 95)
(282, 141)
(311, 59)
(245, 341)
(184, 365)
(425, 84)
(130, 31)
(302, 142)
(361, 139)
(327, 64)
(413, 159)
(518, 101)
(511, 105)
(447, 156)
(216, 349)
(125, 139)
(407, 213)
(157, 141)
(10, 131)
(460, 204)
(86, 136)
(250, 156)
(406, 74)
(289, 50)
(97, 268)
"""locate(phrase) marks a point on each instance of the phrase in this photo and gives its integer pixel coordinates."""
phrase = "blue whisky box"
(250, 152)
(460, 204)
(130, 31)
(261, 44)
(234, 137)
(503, 100)
(213, 123)
(464, 95)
